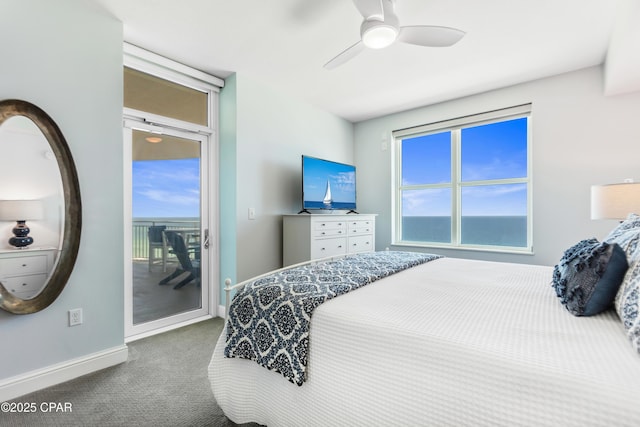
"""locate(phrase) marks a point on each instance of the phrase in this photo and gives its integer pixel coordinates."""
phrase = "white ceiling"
(285, 43)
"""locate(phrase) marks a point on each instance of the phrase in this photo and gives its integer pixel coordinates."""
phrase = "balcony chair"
(187, 264)
(157, 241)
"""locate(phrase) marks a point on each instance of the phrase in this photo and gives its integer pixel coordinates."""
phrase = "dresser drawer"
(28, 283)
(358, 223)
(23, 265)
(328, 247)
(360, 244)
(361, 227)
(329, 228)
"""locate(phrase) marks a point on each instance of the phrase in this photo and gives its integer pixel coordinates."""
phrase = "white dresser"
(312, 236)
(23, 272)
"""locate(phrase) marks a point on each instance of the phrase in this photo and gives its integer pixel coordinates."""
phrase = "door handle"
(206, 238)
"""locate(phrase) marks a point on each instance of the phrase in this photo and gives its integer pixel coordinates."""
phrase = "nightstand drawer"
(29, 283)
(23, 265)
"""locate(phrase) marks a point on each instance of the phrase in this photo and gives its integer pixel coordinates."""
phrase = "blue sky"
(493, 151)
(166, 188)
(342, 177)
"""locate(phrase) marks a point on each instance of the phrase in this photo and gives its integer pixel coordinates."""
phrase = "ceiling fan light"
(379, 36)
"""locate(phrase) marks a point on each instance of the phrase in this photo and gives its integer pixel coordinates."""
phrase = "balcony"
(152, 301)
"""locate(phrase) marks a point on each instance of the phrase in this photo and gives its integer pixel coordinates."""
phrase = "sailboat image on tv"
(327, 195)
(327, 185)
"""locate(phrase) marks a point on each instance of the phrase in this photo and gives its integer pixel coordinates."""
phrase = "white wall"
(579, 137)
(272, 132)
(66, 57)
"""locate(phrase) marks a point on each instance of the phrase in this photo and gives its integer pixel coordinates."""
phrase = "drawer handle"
(24, 265)
(24, 284)
(339, 246)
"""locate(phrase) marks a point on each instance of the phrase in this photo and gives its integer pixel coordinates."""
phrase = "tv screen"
(327, 184)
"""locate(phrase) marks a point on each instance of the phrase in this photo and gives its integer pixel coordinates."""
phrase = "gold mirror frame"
(72, 210)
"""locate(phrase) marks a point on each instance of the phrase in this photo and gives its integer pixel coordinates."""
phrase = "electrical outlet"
(75, 317)
(252, 213)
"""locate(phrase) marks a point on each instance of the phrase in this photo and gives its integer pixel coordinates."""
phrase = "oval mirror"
(40, 210)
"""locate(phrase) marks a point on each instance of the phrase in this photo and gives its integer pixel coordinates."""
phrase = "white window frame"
(456, 185)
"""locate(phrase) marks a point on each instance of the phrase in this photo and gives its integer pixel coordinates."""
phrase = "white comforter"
(450, 342)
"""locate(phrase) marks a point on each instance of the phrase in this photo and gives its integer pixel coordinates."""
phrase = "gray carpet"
(163, 383)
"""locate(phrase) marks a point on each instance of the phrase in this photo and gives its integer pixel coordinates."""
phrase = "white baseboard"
(221, 311)
(20, 385)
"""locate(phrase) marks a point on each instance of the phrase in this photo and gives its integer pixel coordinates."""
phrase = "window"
(465, 183)
(145, 92)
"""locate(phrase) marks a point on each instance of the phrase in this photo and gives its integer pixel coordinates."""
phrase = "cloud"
(430, 202)
(182, 198)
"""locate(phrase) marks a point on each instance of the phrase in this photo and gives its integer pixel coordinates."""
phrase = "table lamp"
(21, 211)
(615, 201)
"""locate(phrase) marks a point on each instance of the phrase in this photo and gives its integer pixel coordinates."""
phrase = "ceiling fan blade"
(430, 36)
(370, 8)
(345, 56)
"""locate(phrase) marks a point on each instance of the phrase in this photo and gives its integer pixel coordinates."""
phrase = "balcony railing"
(140, 238)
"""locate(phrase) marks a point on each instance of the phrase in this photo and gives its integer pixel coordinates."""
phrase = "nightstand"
(24, 272)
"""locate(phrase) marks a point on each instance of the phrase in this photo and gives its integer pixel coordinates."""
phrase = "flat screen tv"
(327, 185)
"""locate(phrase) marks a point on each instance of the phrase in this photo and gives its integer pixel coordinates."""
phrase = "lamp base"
(21, 237)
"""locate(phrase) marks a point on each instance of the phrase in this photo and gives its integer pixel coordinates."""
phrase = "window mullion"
(494, 182)
(456, 175)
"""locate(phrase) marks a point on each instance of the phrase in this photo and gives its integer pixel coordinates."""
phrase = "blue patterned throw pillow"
(588, 276)
(628, 304)
(627, 235)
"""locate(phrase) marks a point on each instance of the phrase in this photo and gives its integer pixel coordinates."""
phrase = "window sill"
(493, 249)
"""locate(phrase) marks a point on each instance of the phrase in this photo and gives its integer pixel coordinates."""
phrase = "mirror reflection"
(31, 208)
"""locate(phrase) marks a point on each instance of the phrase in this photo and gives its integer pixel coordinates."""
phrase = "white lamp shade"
(615, 201)
(21, 210)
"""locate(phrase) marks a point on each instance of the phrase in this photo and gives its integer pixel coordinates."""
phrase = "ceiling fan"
(381, 28)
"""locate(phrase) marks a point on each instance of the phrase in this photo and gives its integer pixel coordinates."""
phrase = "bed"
(450, 342)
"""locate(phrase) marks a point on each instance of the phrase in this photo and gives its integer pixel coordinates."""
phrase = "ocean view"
(483, 230)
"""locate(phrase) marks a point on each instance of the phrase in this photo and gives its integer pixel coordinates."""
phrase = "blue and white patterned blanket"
(268, 320)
